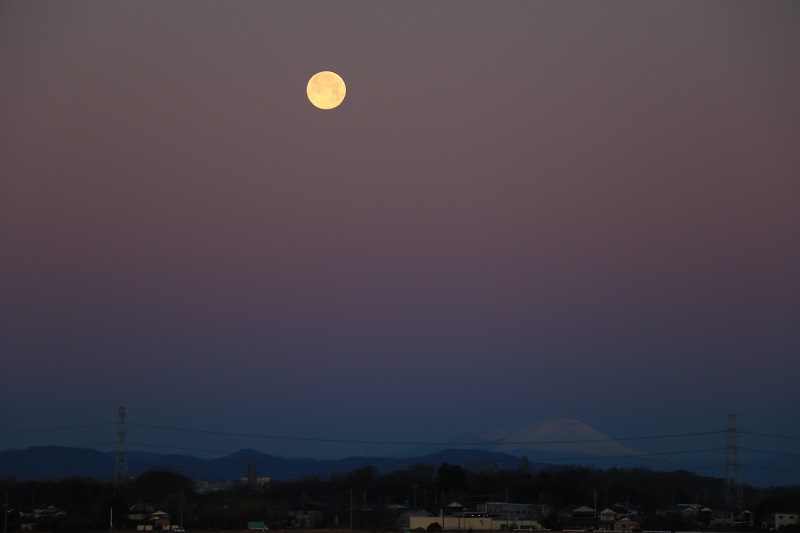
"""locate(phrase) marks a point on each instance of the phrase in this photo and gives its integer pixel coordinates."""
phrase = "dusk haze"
(527, 223)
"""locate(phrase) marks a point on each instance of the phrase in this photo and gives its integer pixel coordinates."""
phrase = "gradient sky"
(522, 210)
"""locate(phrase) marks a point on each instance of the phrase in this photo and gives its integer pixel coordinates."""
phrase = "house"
(607, 519)
(685, 510)
(306, 516)
(726, 518)
(577, 512)
(578, 517)
(617, 518)
(625, 509)
(787, 519)
(40, 517)
(139, 512)
(722, 519)
(625, 524)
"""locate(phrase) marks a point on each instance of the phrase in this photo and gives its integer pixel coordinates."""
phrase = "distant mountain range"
(56, 462)
(556, 442)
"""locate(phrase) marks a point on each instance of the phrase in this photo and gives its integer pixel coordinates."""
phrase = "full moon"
(326, 89)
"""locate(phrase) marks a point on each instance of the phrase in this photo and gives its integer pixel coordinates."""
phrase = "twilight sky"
(521, 211)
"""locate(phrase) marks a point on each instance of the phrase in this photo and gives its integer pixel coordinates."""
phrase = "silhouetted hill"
(53, 462)
(60, 462)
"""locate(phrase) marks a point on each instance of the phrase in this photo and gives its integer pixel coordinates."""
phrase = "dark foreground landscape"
(434, 495)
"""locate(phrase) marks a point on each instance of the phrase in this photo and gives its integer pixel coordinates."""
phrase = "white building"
(787, 519)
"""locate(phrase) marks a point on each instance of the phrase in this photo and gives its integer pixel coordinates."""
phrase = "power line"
(787, 454)
(94, 446)
(164, 447)
(754, 467)
(541, 460)
(754, 434)
(422, 443)
(427, 443)
(627, 456)
(44, 430)
(376, 442)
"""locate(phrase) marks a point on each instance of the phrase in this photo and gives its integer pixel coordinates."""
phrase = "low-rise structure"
(510, 511)
(787, 519)
(618, 518)
(472, 521)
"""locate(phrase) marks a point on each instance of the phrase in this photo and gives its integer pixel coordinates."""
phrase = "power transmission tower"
(121, 467)
(252, 473)
(733, 489)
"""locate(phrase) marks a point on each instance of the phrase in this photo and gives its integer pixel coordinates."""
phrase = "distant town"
(419, 498)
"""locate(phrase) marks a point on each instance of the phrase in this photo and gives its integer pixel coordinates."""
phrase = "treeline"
(367, 499)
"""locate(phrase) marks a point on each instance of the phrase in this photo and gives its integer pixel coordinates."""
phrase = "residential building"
(787, 519)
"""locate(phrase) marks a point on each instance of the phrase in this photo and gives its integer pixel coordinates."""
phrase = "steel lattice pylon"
(121, 466)
(733, 489)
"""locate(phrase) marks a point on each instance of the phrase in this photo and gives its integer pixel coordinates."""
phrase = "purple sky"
(522, 210)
